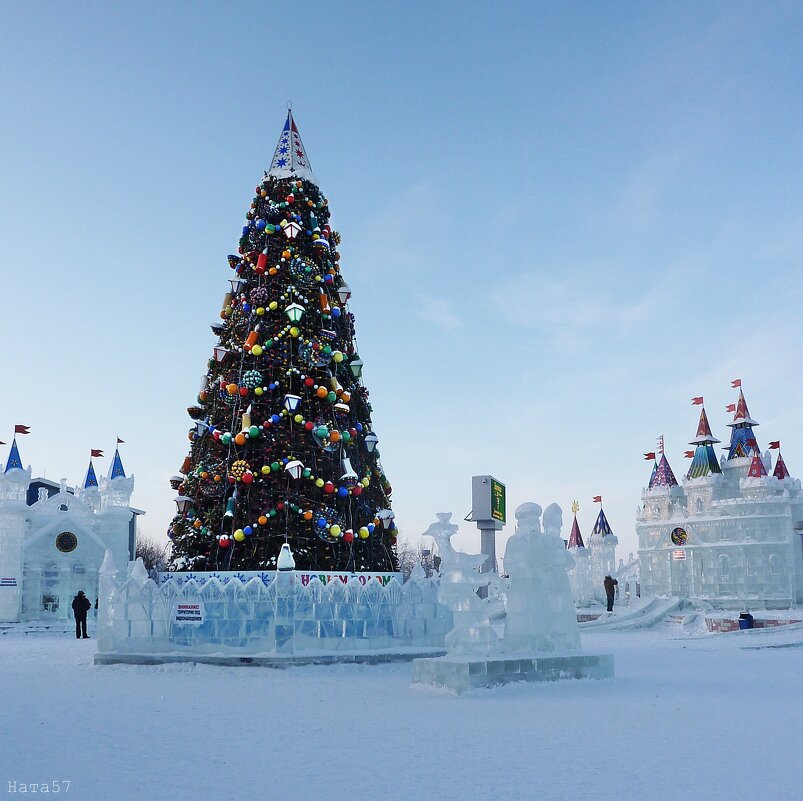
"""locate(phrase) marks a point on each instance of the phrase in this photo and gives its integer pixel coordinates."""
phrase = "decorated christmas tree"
(282, 446)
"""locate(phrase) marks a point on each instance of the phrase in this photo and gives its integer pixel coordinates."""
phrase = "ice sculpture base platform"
(461, 673)
(272, 660)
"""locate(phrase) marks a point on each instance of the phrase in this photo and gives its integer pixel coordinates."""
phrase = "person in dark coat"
(80, 606)
(609, 585)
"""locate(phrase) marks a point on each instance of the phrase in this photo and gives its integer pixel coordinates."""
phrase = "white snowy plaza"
(690, 715)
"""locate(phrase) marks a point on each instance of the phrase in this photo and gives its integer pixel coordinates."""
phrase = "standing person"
(80, 606)
(609, 585)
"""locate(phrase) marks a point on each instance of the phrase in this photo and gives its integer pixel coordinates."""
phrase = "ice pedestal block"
(461, 673)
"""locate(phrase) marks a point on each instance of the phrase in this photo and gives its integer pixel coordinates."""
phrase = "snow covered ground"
(686, 718)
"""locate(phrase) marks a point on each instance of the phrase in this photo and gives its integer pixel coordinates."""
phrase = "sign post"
(489, 512)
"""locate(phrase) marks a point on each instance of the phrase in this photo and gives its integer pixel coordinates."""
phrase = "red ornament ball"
(309, 382)
(247, 477)
(224, 542)
(348, 535)
(357, 489)
(309, 425)
(328, 487)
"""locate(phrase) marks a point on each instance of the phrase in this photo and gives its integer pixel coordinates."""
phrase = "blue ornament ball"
(260, 224)
(371, 528)
(336, 312)
(248, 530)
(321, 522)
(274, 418)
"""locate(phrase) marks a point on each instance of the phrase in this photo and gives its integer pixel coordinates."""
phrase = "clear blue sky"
(560, 222)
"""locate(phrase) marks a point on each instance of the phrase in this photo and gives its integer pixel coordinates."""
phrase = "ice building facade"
(53, 538)
(726, 533)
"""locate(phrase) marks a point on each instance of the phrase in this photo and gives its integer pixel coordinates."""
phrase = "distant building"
(726, 534)
(53, 538)
(592, 563)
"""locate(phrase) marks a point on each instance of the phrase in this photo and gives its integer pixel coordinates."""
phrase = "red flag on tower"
(598, 499)
(776, 445)
(736, 383)
(689, 454)
(649, 456)
(697, 401)
(96, 452)
(731, 407)
(22, 429)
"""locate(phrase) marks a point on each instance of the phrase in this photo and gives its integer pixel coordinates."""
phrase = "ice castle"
(53, 538)
(725, 534)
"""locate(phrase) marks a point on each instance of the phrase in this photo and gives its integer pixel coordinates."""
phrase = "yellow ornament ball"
(319, 482)
(299, 418)
(265, 469)
(294, 332)
(335, 531)
(257, 390)
(338, 356)
(366, 481)
(273, 305)
(260, 311)
(256, 350)
(363, 533)
(239, 535)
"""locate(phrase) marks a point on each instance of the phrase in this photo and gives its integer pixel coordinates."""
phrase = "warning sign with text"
(189, 614)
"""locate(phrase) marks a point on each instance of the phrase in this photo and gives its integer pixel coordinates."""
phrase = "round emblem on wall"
(679, 536)
(66, 541)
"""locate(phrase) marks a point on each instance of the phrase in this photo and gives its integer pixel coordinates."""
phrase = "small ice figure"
(540, 608)
(459, 581)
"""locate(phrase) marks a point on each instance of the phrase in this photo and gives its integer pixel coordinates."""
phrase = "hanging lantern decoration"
(183, 504)
(371, 441)
(294, 469)
(294, 312)
(291, 402)
(220, 353)
(355, 365)
(201, 427)
(237, 285)
(385, 517)
(292, 230)
(176, 482)
(344, 293)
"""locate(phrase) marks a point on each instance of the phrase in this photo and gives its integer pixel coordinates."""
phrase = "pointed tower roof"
(662, 475)
(91, 479)
(742, 414)
(14, 462)
(576, 538)
(704, 435)
(743, 440)
(290, 158)
(704, 462)
(116, 470)
(757, 469)
(780, 472)
(601, 527)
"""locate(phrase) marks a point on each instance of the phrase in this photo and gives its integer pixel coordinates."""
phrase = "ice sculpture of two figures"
(541, 616)
(459, 582)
